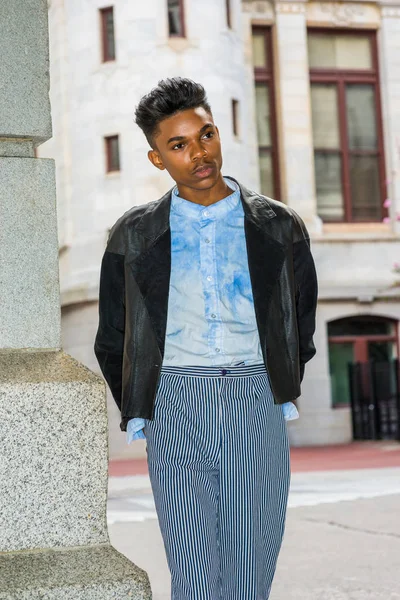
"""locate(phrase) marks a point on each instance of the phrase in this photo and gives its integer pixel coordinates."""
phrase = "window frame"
(266, 76)
(235, 106)
(339, 78)
(228, 13)
(107, 142)
(105, 48)
(182, 20)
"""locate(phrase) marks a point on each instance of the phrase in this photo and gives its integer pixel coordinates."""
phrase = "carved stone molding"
(290, 7)
(257, 6)
(342, 13)
(390, 11)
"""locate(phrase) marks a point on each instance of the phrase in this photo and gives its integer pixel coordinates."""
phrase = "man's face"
(188, 146)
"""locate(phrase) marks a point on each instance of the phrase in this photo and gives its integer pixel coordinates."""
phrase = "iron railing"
(375, 400)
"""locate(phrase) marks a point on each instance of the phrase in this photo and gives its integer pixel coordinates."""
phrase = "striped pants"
(219, 466)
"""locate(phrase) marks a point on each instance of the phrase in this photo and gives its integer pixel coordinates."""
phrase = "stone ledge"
(27, 367)
(87, 573)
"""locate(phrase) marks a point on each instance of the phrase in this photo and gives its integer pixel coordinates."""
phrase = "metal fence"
(375, 400)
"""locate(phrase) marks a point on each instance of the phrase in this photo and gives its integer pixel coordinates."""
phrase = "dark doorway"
(364, 369)
(375, 400)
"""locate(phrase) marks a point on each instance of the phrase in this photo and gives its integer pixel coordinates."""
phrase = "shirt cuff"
(134, 430)
(290, 411)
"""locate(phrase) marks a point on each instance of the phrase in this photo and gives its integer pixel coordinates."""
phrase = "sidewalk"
(357, 455)
(342, 539)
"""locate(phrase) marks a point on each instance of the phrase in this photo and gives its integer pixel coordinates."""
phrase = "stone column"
(292, 76)
(54, 541)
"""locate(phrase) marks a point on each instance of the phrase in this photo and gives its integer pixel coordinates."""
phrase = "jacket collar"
(155, 220)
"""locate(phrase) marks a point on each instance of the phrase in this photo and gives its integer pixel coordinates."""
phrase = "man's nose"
(198, 151)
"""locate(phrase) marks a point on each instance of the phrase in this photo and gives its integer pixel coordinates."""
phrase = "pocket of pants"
(261, 387)
(168, 394)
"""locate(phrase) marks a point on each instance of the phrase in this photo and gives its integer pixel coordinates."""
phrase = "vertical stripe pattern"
(219, 466)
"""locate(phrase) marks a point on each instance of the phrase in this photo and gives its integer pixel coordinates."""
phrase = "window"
(265, 114)
(107, 29)
(347, 131)
(235, 117)
(112, 153)
(176, 18)
(228, 14)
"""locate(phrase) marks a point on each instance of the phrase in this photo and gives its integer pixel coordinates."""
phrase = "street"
(342, 539)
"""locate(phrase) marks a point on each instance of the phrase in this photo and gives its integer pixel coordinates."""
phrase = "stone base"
(53, 433)
(80, 573)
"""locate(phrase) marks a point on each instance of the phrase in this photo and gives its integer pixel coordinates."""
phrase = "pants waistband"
(229, 371)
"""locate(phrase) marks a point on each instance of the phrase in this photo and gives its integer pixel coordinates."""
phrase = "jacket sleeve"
(306, 292)
(109, 343)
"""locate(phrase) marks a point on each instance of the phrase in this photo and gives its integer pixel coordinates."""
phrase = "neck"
(218, 191)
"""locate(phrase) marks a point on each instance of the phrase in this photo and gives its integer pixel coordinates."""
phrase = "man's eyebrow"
(179, 138)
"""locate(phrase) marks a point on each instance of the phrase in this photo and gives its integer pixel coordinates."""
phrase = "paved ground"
(342, 539)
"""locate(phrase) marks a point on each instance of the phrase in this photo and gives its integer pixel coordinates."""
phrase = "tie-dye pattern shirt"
(211, 319)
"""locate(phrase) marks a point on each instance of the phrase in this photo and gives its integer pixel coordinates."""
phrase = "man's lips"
(204, 170)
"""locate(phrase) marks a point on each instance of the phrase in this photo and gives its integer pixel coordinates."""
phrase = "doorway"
(364, 371)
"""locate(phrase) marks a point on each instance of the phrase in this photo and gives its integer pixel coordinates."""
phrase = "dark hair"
(169, 97)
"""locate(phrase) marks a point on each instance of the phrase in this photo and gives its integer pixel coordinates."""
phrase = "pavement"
(342, 537)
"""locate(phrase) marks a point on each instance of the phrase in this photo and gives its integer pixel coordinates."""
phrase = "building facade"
(307, 99)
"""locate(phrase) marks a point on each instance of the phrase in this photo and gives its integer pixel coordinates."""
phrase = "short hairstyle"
(168, 98)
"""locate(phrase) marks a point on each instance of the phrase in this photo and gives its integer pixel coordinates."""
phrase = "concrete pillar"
(295, 128)
(54, 541)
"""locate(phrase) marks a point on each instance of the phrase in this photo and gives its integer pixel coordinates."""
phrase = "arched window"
(358, 339)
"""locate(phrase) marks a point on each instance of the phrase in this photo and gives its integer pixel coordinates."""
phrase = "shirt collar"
(213, 212)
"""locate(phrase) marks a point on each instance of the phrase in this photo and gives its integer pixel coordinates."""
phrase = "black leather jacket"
(134, 287)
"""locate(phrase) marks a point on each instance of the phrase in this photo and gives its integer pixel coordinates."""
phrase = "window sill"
(178, 44)
(355, 227)
(351, 232)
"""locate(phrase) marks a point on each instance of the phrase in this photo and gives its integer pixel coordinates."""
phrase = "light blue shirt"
(211, 319)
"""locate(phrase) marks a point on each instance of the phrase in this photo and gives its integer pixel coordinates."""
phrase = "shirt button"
(213, 316)
(207, 240)
(206, 213)
(209, 278)
(217, 350)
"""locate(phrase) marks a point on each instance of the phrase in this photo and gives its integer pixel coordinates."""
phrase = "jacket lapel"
(265, 255)
(152, 267)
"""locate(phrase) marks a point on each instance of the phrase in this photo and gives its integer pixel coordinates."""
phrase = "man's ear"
(155, 159)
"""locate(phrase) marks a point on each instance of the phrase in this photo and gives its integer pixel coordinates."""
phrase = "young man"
(207, 314)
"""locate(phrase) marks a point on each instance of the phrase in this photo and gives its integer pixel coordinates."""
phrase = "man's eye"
(209, 133)
(178, 146)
